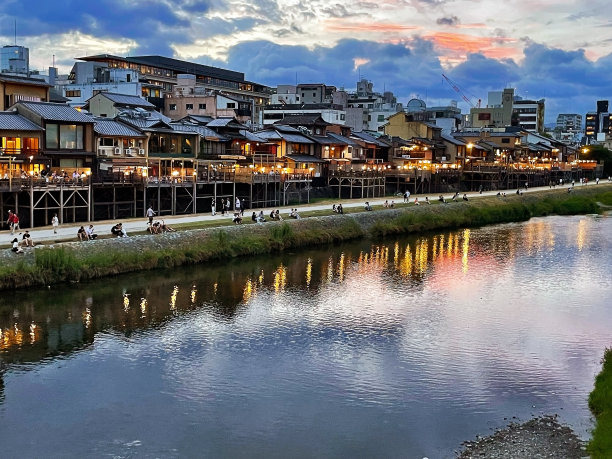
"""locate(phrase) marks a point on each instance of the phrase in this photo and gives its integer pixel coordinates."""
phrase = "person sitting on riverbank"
(27, 239)
(416, 202)
(334, 209)
(261, 217)
(386, 204)
(367, 206)
(441, 199)
(82, 234)
(237, 220)
(91, 235)
(465, 198)
(16, 248)
(455, 196)
(427, 201)
(254, 217)
(294, 214)
(117, 230)
(169, 229)
(340, 209)
(392, 205)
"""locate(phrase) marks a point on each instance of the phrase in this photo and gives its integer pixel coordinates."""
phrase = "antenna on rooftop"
(15, 32)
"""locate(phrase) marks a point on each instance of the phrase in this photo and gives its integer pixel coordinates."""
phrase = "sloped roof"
(268, 135)
(295, 138)
(286, 128)
(304, 159)
(224, 122)
(13, 121)
(452, 140)
(251, 137)
(368, 138)
(124, 99)
(56, 112)
(203, 131)
(24, 80)
(199, 119)
(343, 139)
(145, 123)
(112, 128)
(305, 119)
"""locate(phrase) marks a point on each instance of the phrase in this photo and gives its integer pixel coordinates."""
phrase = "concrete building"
(164, 71)
(497, 113)
(187, 98)
(569, 122)
(87, 79)
(528, 114)
(15, 60)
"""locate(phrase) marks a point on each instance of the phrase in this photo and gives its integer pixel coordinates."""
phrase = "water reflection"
(438, 336)
(67, 318)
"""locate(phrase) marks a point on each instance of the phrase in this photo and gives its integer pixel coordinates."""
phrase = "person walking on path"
(150, 214)
(212, 207)
(407, 196)
(55, 223)
(237, 205)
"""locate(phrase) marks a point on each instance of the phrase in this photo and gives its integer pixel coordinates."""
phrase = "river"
(402, 348)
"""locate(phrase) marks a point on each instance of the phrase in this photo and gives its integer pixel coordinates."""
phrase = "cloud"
(448, 21)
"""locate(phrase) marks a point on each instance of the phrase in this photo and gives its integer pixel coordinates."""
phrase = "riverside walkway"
(68, 232)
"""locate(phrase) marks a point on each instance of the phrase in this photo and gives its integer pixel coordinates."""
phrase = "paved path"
(68, 232)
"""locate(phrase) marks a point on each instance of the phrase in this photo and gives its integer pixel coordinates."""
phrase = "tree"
(600, 154)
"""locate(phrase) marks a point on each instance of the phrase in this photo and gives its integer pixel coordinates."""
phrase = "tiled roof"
(305, 159)
(342, 139)
(144, 123)
(268, 135)
(223, 122)
(203, 131)
(452, 140)
(24, 80)
(56, 112)
(251, 137)
(369, 138)
(295, 138)
(306, 119)
(200, 119)
(12, 121)
(110, 127)
(123, 99)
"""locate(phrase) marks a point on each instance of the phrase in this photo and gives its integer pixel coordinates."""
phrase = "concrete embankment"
(77, 261)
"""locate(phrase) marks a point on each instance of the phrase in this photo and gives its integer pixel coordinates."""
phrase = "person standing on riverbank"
(55, 223)
(212, 207)
(407, 196)
(150, 214)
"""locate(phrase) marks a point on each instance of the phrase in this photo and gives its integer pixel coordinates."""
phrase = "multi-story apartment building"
(569, 122)
(87, 79)
(163, 72)
(528, 114)
(598, 124)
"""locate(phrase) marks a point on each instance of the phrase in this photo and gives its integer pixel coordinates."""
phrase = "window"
(202, 106)
(505, 140)
(314, 94)
(52, 135)
(172, 107)
(64, 137)
(342, 116)
(381, 118)
(231, 105)
(73, 93)
(188, 106)
(484, 117)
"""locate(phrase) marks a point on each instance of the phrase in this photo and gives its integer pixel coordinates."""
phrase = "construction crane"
(460, 92)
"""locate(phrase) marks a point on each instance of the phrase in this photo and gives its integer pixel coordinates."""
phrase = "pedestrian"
(212, 206)
(406, 196)
(150, 214)
(237, 205)
(9, 221)
(597, 181)
(228, 206)
(55, 223)
(480, 189)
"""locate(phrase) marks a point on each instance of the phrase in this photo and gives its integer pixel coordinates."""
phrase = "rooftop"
(56, 112)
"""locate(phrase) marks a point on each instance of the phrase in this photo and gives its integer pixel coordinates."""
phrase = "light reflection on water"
(403, 348)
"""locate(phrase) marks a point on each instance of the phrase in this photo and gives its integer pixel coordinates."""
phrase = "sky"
(559, 50)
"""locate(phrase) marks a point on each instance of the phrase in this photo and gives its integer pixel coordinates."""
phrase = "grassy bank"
(73, 262)
(600, 403)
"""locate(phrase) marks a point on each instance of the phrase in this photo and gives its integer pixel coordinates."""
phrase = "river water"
(402, 348)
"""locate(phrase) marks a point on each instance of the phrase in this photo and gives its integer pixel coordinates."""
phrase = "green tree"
(599, 154)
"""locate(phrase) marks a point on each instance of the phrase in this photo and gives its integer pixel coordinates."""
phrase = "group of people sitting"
(26, 241)
(160, 227)
(389, 205)
(294, 214)
(86, 234)
(117, 230)
(338, 209)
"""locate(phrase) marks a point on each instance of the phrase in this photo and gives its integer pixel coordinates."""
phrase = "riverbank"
(78, 261)
(539, 437)
(600, 403)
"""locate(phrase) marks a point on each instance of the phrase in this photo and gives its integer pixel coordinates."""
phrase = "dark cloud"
(337, 11)
(448, 21)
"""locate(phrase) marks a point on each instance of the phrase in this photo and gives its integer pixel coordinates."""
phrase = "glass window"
(52, 136)
(172, 106)
(202, 106)
(189, 106)
(67, 137)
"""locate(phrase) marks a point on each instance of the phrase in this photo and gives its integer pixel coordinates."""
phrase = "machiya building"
(163, 72)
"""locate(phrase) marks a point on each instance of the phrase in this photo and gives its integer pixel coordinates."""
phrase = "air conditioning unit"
(129, 152)
(117, 150)
(141, 151)
(102, 152)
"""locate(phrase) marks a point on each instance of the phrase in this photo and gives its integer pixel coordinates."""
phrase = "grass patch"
(600, 403)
